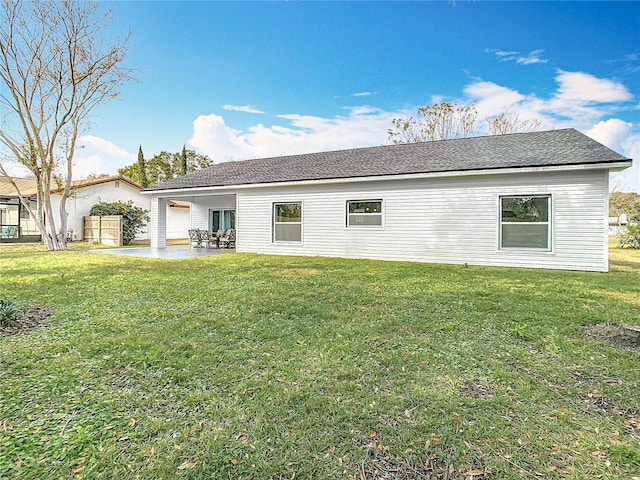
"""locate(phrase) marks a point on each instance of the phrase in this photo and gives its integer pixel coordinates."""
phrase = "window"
(229, 218)
(287, 222)
(525, 222)
(364, 213)
(24, 213)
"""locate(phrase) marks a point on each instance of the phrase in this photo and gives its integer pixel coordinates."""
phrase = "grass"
(258, 367)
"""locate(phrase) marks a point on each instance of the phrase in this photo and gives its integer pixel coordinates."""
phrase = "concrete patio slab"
(172, 252)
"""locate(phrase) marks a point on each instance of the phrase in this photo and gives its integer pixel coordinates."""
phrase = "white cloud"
(362, 126)
(583, 99)
(364, 110)
(507, 55)
(585, 88)
(580, 101)
(242, 108)
(15, 169)
(105, 146)
(493, 99)
(363, 94)
(619, 136)
(93, 155)
(611, 133)
(214, 138)
(629, 179)
(91, 165)
(534, 56)
(96, 155)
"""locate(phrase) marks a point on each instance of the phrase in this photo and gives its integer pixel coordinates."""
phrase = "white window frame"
(380, 214)
(548, 223)
(274, 223)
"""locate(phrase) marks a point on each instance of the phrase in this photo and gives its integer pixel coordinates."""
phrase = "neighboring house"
(84, 195)
(618, 224)
(535, 199)
(15, 222)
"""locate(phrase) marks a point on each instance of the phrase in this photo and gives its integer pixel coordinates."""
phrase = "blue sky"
(240, 80)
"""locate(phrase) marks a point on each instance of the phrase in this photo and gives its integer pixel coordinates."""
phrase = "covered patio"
(208, 213)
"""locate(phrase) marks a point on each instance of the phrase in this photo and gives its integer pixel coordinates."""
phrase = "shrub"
(9, 311)
(631, 236)
(133, 217)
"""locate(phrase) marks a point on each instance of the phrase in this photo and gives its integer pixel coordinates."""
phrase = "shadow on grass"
(622, 266)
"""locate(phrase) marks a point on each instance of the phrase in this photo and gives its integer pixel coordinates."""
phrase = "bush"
(9, 311)
(133, 218)
(631, 236)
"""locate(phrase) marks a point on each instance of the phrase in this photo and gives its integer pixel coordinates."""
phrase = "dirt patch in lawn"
(475, 388)
(617, 336)
(32, 317)
(298, 272)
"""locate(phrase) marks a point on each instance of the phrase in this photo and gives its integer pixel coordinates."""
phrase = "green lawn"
(256, 367)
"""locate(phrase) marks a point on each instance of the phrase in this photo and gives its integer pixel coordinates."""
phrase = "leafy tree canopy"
(624, 202)
(165, 166)
(629, 204)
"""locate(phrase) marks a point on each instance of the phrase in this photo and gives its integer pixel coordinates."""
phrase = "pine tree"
(142, 168)
(183, 161)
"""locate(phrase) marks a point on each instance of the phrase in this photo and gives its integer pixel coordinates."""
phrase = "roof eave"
(101, 181)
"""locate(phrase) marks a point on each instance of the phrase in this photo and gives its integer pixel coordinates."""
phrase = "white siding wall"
(177, 225)
(446, 220)
(200, 207)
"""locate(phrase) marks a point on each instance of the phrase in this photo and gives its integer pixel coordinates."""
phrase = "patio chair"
(9, 232)
(219, 234)
(228, 238)
(206, 238)
(194, 237)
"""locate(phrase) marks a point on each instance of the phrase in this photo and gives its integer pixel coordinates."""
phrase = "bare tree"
(57, 67)
(510, 123)
(440, 121)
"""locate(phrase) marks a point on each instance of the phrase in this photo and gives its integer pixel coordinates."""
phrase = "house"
(536, 199)
(15, 222)
(84, 194)
(618, 224)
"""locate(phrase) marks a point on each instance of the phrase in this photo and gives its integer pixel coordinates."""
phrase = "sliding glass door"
(222, 219)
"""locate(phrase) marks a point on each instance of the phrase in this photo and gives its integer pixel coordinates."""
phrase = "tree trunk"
(50, 236)
(64, 217)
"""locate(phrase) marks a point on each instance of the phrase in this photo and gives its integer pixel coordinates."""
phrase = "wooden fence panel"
(105, 230)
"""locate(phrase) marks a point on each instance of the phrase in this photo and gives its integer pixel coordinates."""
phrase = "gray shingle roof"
(518, 150)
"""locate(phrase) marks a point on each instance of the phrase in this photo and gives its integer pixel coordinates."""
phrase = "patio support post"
(158, 223)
